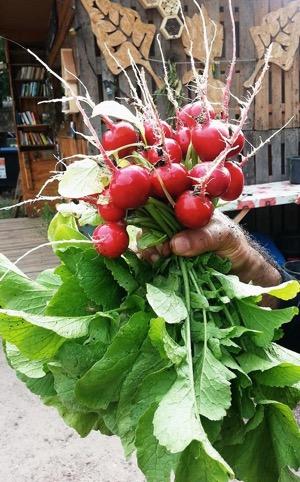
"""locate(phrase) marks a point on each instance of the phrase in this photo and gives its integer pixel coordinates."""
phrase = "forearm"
(254, 266)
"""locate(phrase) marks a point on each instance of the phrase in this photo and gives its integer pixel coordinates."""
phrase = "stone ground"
(36, 446)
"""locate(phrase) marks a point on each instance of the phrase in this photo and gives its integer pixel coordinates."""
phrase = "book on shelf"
(31, 73)
(27, 118)
(34, 139)
(34, 89)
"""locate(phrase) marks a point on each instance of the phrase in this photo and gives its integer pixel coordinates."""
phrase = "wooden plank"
(27, 234)
(86, 61)
(291, 82)
(275, 157)
(261, 159)
(124, 89)
(161, 101)
(291, 144)
(249, 169)
(276, 84)
(261, 120)
(247, 51)
(66, 16)
(235, 87)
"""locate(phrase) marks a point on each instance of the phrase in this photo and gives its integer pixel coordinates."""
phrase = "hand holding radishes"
(192, 193)
(177, 358)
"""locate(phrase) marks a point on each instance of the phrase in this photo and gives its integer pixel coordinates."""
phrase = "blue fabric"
(270, 247)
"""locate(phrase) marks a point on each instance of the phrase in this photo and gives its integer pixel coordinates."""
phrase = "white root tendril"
(220, 159)
(262, 143)
(29, 201)
(170, 93)
(226, 95)
(43, 245)
(147, 111)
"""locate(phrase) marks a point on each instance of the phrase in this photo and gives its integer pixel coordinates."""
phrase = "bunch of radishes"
(156, 167)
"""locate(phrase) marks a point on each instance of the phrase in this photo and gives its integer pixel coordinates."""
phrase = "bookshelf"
(34, 123)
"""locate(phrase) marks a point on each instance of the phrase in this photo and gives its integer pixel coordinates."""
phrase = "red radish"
(183, 137)
(173, 176)
(173, 150)
(190, 113)
(218, 181)
(208, 139)
(130, 187)
(110, 212)
(184, 117)
(153, 155)
(197, 110)
(119, 134)
(193, 210)
(236, 184)
(152, 133)
(238, 144)
(111, 240)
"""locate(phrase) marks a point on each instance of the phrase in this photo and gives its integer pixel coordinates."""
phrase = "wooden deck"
(17, 236)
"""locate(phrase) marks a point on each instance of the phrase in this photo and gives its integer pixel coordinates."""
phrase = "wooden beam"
(66, 15)
(86, 62)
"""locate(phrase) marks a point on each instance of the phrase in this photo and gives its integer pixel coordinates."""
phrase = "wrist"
(252, 266)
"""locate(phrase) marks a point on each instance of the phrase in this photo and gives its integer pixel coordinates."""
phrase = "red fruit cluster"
(164, 149)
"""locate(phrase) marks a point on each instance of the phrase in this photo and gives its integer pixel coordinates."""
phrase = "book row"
(34, 89)
(31, 73)
(27, 118)
(34, 139)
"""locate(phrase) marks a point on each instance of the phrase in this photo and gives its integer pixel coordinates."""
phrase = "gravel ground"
(36, 446)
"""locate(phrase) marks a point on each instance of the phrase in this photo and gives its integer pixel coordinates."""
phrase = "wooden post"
(86, 60)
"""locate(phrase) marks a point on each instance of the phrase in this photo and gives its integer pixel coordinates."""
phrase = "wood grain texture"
(261, 121)
(27, 234)
(279, 27)
(119, 32)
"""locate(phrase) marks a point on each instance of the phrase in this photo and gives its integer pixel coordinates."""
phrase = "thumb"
(193, 242)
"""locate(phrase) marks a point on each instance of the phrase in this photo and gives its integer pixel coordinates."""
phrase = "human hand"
(224, 237)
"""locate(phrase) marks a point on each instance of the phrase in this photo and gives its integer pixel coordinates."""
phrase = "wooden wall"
(277, 101)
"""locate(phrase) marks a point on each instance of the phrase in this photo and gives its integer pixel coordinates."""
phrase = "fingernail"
(154, 258)
(180, 245)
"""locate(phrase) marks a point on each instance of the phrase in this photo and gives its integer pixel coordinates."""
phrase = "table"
(262, 195)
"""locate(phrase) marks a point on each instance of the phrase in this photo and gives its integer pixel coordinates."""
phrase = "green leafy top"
(177, 359)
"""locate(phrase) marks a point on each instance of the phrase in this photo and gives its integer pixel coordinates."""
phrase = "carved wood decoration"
(120, 30)
(196, 35)
(282, 28)
(171, 26)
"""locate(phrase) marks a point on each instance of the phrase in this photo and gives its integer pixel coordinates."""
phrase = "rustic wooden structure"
(42, 27)
(277, 101)
(275, 104)
(79, 29)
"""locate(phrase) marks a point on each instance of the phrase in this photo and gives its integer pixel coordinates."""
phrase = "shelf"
(33, 126)
(31, 98)
(27, 64)
(29, 80)
(37, 148)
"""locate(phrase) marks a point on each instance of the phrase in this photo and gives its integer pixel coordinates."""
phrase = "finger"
(151, 255)
(212, 237)
(192, 242)
(164, 249)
